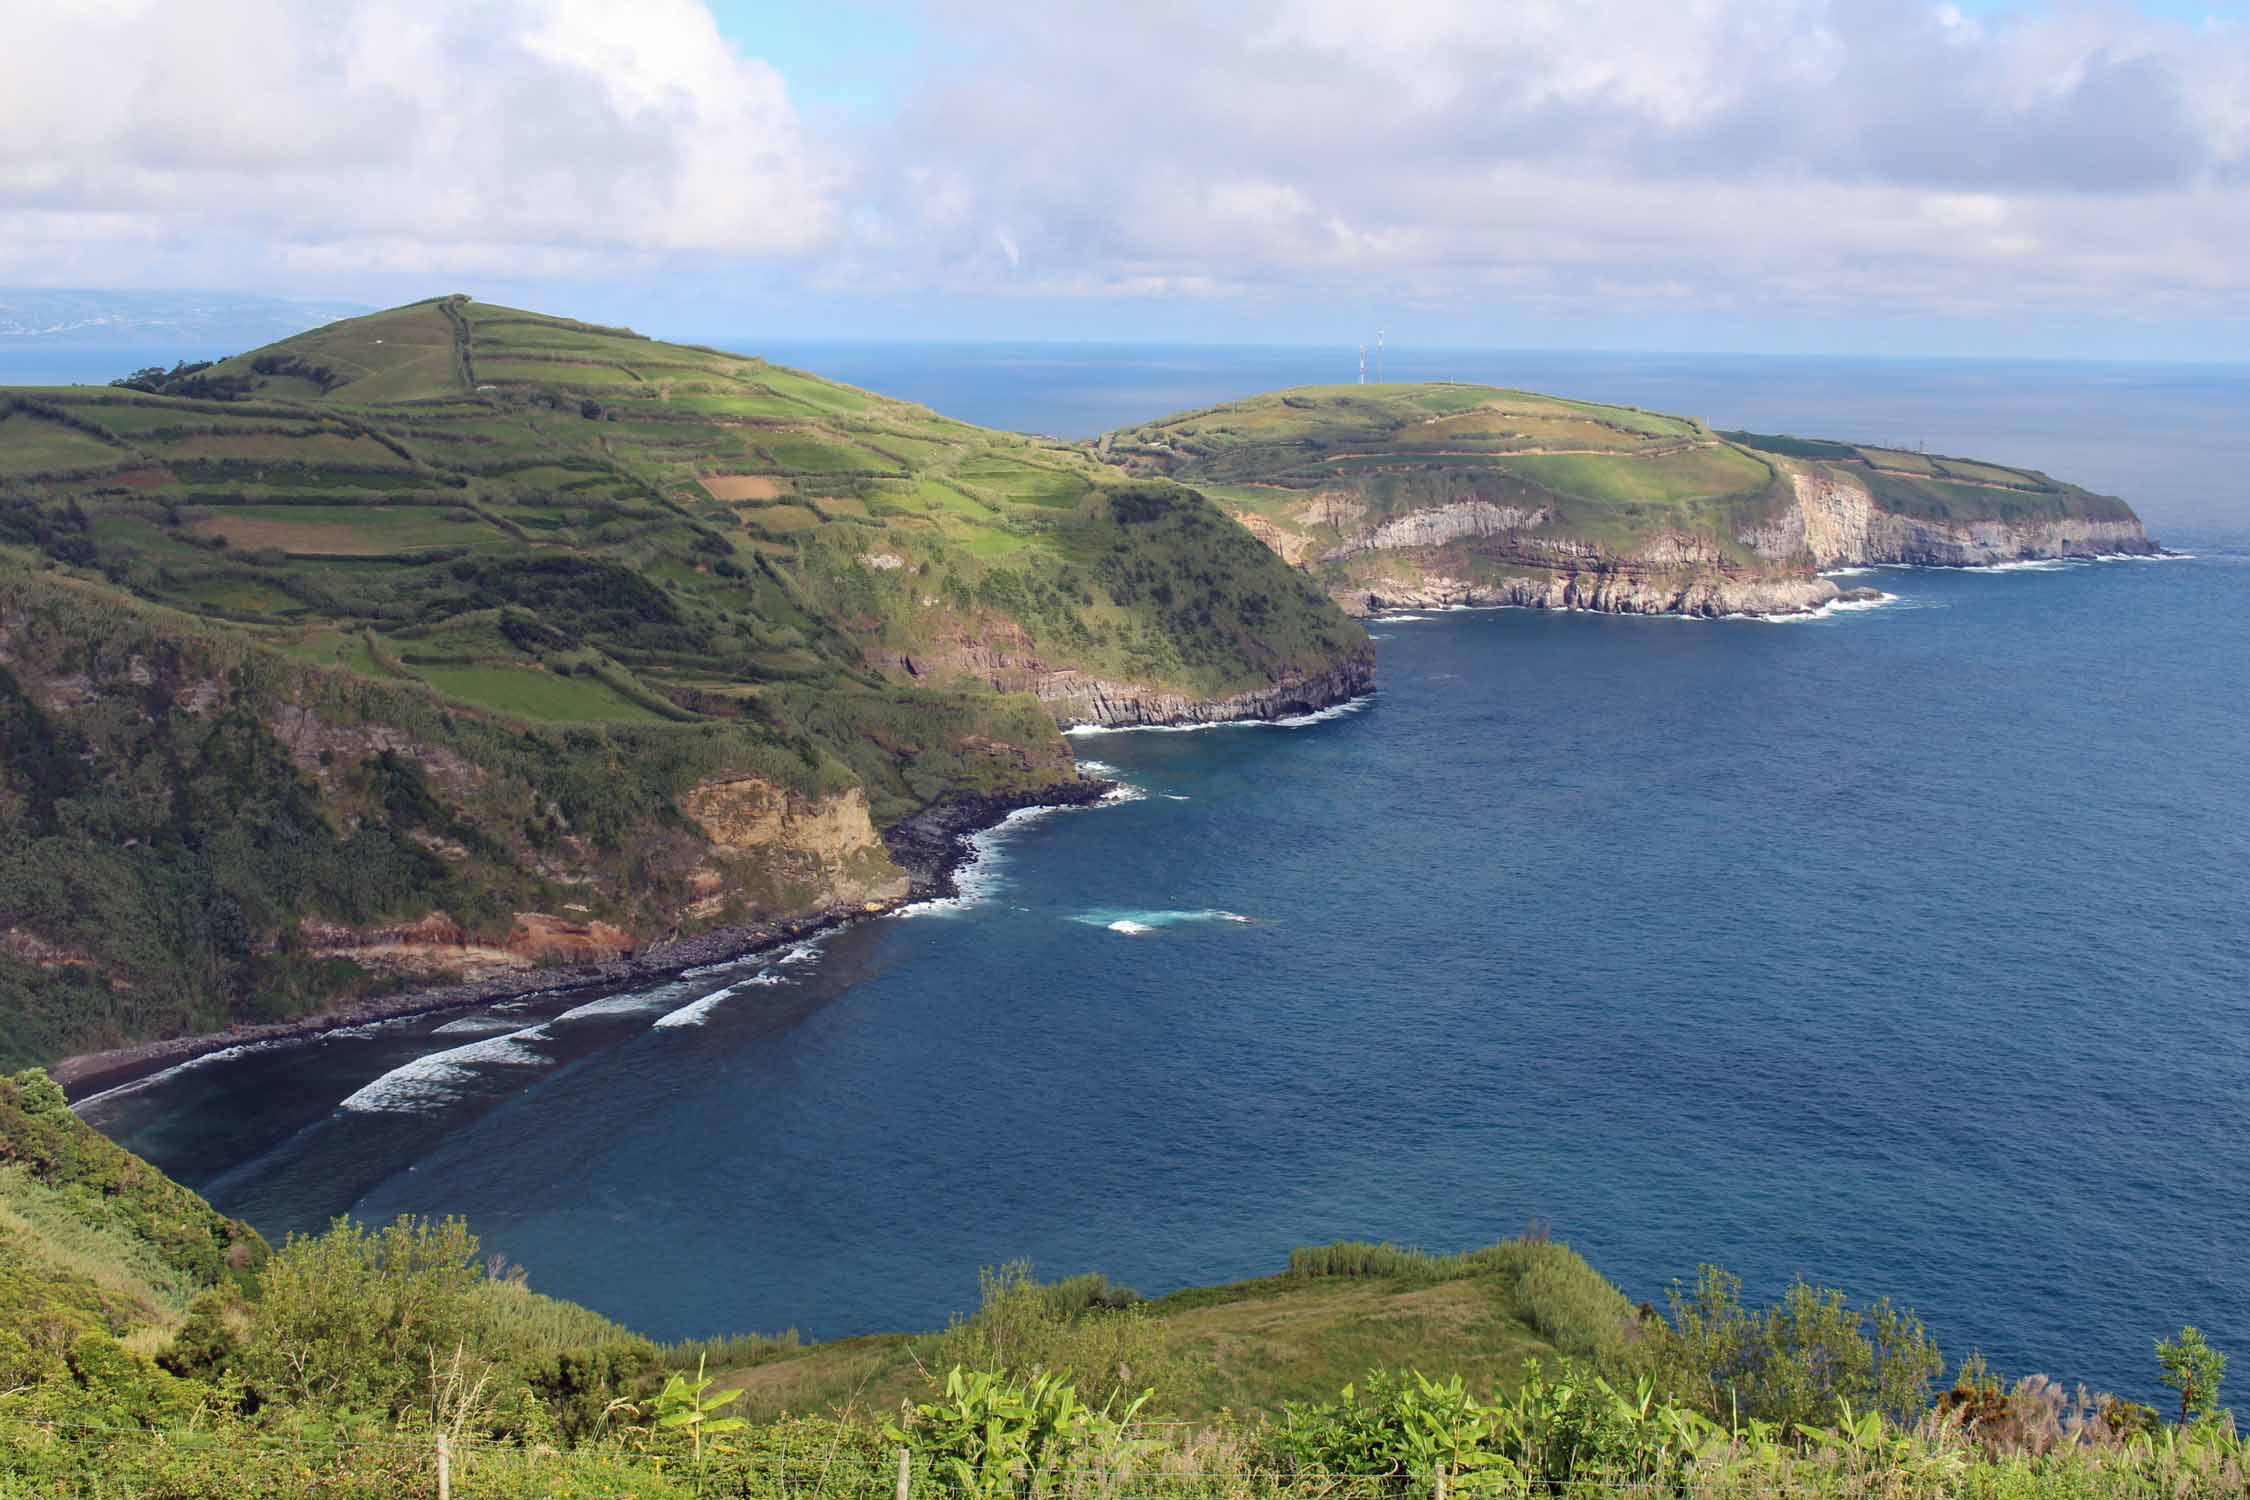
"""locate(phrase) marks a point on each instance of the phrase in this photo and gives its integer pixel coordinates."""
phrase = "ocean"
(1900, 950)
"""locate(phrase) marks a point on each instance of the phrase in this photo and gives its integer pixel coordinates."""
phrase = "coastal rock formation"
(556, 940)
(1616, 592)
(1117, 704)
(1437, 526)
(1836, 523)
(1004, 658)
(782, 851)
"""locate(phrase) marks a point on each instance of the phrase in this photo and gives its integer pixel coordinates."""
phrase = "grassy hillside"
(444, 639)
(95, 1243)
(1373, 487)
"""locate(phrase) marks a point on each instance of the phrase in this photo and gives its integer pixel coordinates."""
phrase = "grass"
(532, 693)
(345, 531)
(1248, 1347)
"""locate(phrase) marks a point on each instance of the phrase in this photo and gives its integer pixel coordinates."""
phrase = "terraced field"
(451, 450)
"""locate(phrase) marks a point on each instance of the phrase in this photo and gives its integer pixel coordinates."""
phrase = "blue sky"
(1875, 176)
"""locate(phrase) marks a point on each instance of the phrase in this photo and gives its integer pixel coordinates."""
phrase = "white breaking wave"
(1173, 796)
(441, 1078)
(1826, 611)
(621, 1005)
(1400, 619)
(979, 876)
(478, 1026)
(1140, 923)
(696, 1012)
(1845, 572)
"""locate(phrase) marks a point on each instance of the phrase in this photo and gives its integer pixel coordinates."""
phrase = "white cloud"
(1885, 152)
(2056, 161)
(140, 140)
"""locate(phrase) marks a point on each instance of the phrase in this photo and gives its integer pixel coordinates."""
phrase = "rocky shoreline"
(929, 846)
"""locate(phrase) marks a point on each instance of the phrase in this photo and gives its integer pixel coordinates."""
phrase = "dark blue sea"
(1906, 950)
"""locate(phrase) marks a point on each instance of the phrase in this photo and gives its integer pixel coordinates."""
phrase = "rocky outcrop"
(1610, 592)
(1438, 525)
(1293, 547)
(1005, 658)
(933, 843)
(1836, 523)
(779, 850)
(557, 940)
(1079, 700)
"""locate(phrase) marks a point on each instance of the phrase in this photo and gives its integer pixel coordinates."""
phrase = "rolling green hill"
(451, 638)
(1441, 494)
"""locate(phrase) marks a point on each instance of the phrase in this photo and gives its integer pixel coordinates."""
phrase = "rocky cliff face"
(1079, 700)
(1438, 525)
(1477, 553)
(1837, 523)
(1620, 591)
(774, 850)
(1005, 658)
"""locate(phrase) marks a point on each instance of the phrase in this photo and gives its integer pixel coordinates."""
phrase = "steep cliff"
(1412, 496)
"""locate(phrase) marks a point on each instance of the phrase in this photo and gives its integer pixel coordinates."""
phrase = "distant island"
(1411, 496)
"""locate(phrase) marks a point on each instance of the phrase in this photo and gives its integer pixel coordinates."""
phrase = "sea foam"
(697, 1012)
(443, 1078)
(1141, 923)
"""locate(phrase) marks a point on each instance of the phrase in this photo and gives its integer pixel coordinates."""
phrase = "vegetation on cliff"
(150, 1347)
(1473, 494)
(430, 641)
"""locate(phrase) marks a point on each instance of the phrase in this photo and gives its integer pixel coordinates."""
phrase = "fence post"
(1437, 1478)
(444, 1467)
(905, 1472)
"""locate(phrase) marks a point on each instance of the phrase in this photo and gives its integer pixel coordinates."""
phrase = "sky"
(1812, 176)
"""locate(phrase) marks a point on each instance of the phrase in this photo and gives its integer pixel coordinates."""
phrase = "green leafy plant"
(992, 1436)
(683, 1407)
(2194, 1369)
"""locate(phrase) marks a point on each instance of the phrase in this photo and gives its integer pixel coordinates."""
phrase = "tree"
(2194, 1369)
(364, 1318)
(1794, 1361)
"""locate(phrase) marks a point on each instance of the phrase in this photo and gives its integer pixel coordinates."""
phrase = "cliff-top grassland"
(152, 1348)
(454, 639)
(1406, 495)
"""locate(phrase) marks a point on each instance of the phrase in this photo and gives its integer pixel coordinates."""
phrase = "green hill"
(1443, 494)
(451, 638)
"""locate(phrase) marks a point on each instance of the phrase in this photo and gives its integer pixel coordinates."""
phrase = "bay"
(1898, 949)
